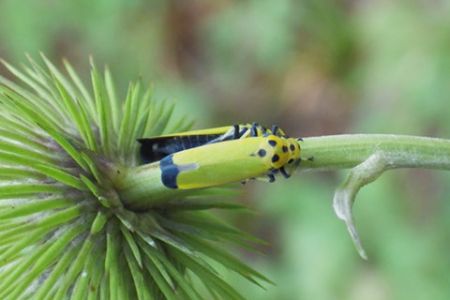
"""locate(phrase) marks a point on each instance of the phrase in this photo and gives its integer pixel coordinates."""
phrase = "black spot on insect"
(272, 143)
(262, 152)
(291, 161)
(285, 149)
(275, 158)
(292, 147)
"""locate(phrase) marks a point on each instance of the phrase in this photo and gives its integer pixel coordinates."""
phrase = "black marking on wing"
(155, 149)
(169, 172)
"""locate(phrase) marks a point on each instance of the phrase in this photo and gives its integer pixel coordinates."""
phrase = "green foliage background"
(314, 67)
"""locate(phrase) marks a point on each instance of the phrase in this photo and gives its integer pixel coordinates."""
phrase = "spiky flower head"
(67, 228)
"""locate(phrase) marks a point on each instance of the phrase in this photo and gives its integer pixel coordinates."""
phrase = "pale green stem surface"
(400, 151)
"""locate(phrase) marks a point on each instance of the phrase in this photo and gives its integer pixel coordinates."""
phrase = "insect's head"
(278, 151)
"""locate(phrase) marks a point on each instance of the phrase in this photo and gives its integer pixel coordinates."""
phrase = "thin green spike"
(53, 220)
(23, 127)
(97, 273)
(74, 269)
(9, 173)
(31, 107)
(11, 279)
(160, 281)
(68, 147)
(14, 251)
(124, 128)
(225, 259)
(102, 108)
(99, 222)
(77, 113)
(137, 275)
(113, 101)
(47, 258)
(45, 290)
(24, 139)
(86, 96)
(26, 152)
(61, 176)
(82, 287)
(132, 244)
(208, 277)
(19, 190)
(47, 82)
(153, 254)
(34, 207)
(34, 85)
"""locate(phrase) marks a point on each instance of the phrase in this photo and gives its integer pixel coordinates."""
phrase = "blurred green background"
(314, 67)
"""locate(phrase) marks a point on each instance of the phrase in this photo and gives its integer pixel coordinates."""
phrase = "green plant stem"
(349, 150)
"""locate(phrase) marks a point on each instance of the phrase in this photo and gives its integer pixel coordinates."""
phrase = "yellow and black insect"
(156, 148)
(211, 157)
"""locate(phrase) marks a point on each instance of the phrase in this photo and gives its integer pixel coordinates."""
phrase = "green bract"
(66, 230)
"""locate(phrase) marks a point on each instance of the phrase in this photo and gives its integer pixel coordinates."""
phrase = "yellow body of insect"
(230, 161)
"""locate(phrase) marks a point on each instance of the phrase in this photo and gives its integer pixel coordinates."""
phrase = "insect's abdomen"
(157, 148)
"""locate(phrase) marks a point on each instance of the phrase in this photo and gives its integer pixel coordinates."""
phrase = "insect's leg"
(254, 129)
(300, 139)
(231, 134)
(274, 129)
(271, 177)
(236, 133)
(271, 174)
(284, 173)
(243, 133)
